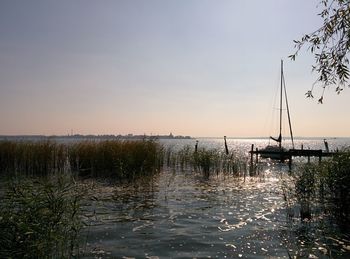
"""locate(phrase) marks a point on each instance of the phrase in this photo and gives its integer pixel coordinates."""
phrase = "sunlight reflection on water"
(185, 215)
(190, 217)
(244, 145)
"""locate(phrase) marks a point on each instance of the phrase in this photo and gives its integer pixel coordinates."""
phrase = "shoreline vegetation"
(119, 159)
(42, 188)
(322, 189)
(42, 195)
(41, 217)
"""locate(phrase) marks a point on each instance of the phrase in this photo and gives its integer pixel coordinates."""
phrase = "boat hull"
(274, 152)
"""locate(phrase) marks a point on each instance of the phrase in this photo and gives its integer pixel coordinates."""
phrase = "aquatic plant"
(305, 188)
(40, 218)
(119, 159)
(185, 157)
(206, 161)
(325, 185)
(336, 185)
(32, 158)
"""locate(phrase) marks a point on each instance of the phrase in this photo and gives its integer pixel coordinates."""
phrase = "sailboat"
(278, 151)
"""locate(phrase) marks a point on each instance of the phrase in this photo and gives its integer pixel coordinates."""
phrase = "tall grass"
(120, 159)
(32, 158)
(335, 185)
(40, 218)
(117, 158)
(113, 158)
(206, 161)
(325, 186)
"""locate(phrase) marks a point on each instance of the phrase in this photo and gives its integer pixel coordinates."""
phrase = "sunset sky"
(190, 67)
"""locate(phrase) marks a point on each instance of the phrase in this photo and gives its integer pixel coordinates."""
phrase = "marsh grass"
(32, 158)
(40, 218)
(206, 161)
(114, 158)
(324, 188)
(335, 185)
(119, 159)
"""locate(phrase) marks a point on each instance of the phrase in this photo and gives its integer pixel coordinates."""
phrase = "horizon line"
(151, 135)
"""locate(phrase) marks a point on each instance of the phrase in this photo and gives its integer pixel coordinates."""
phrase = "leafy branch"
(330, 46)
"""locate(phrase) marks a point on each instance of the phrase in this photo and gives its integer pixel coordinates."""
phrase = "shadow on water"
(185, 215)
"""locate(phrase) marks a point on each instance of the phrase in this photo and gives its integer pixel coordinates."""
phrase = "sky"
(204, 68)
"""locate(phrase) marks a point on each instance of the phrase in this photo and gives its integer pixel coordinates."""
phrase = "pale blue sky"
(200, 68)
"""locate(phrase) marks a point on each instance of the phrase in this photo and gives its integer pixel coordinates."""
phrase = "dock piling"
(290, 162)
(251, 159)
(226, 148)
(256, 160)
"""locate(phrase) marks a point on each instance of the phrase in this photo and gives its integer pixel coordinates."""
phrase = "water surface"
(187, 215)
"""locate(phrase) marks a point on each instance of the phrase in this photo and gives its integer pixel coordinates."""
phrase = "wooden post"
(290, 162)
(256, 160)
(251, 159)
(226, 148)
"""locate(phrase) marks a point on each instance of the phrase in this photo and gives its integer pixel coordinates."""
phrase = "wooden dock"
(295, 153)
(282, 156)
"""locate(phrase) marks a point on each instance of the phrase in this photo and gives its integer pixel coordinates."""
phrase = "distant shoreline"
(131, 136)
(90, 136)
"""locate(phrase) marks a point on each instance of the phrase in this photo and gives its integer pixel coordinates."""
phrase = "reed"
(206, 161)
(32, 158)
(325, 185)
(119, 159)
(40, 218)
(113, 158)
(306, 181)
(335, 185)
